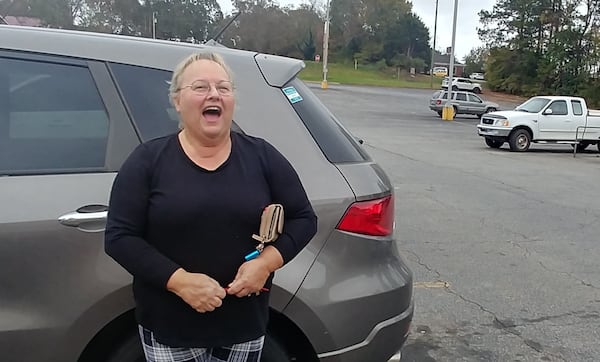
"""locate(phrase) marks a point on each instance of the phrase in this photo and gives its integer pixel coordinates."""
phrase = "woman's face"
(205, 101)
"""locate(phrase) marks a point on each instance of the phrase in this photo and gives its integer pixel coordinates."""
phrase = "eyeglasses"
(202, 87)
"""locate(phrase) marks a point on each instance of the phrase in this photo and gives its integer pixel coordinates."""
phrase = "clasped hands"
(205, 294)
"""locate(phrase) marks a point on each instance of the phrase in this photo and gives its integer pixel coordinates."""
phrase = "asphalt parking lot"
(504, 246)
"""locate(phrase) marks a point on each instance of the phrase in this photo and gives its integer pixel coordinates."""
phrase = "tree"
(53, 13)
(554, 40)
(475, 60)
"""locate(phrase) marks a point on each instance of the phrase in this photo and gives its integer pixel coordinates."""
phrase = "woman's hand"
(250, 278)
(252, 275)
(200, 291)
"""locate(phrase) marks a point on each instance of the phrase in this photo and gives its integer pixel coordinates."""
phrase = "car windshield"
(533, 105)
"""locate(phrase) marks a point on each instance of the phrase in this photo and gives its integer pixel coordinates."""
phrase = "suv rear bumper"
(377, 346)
(356, 302)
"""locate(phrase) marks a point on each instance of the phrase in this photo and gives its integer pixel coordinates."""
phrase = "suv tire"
(477, 90)
(130, 350)
(273, 351)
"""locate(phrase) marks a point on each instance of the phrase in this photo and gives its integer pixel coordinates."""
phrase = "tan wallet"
(271, 223)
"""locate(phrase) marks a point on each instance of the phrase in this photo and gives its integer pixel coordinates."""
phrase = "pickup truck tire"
(519, 140)
(581, 146)
(492, 143)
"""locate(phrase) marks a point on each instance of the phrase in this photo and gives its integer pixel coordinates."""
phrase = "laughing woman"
(182, 213)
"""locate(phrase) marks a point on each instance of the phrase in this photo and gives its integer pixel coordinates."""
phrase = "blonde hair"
(182, 66)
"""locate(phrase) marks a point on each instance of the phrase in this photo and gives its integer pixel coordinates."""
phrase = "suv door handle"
(92, 215)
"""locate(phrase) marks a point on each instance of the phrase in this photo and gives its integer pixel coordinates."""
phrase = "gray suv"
(463, 102)
(73, 105)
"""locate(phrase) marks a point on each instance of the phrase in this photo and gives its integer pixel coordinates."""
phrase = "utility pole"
(325, 47)
(448, 107)
(433, 49)
(154, 21)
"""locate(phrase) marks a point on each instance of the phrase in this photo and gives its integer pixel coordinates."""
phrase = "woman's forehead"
(205, 68)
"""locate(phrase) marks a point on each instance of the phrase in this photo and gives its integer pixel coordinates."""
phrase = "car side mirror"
(548, 111)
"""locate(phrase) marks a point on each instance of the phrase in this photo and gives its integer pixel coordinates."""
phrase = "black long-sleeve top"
(166, 212)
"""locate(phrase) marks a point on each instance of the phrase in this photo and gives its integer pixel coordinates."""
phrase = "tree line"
(541, 47)
(383, 32)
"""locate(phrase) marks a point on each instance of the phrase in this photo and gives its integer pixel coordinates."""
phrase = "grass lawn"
(365, 75)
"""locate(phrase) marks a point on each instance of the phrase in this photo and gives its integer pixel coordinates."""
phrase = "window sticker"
(292, 94)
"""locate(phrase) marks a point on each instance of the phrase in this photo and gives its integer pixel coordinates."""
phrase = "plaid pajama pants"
(242, 352)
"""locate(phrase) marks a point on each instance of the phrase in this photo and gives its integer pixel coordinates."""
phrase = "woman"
(182, 213)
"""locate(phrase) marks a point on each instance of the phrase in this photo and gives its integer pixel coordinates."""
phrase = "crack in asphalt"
(504, 326)
(570, 275)
(567, 274)
(418, 261)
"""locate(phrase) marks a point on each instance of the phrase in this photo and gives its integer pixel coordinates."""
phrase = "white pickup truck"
(543, 119)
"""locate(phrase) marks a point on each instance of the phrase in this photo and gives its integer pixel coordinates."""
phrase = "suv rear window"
(338, 145)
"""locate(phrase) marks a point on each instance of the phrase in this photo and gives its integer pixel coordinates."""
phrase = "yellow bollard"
(448, 113)
(324, 84)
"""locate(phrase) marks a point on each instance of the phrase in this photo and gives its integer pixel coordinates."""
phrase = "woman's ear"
(175, 101)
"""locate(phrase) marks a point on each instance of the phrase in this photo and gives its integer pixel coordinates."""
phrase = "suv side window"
(52, 118)
(474, 98)
(146, 93)
(461, 96)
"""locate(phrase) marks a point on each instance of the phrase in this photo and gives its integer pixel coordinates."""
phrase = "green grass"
(366, 75)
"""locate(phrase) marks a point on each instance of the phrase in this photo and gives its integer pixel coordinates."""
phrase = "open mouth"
(212, 113)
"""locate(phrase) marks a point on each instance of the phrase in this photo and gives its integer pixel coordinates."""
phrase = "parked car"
(477, 76)
(73, 105)
(462, 84)
(440, 71)
(463, 103)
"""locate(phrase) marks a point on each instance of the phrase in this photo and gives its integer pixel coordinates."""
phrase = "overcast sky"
(466, 24)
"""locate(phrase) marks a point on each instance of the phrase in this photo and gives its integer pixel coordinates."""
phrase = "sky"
(466, 24)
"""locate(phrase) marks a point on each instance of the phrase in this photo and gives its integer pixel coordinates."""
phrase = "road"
(504, 246)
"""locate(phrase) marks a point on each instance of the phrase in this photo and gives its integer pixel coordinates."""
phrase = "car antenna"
(220, 32)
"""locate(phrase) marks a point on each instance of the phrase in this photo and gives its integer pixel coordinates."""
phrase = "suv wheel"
(130, 350)
(454, 87)
(476, 90)
(519, 140)
(273, 351)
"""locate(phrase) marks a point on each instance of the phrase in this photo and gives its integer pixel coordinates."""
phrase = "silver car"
(463, 102)
(73, 105)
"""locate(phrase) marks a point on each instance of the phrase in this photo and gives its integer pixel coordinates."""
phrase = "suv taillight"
(373, 217)
(438, 102)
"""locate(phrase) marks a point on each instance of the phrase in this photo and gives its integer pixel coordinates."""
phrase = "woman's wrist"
(175, 280)
(271, 258)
